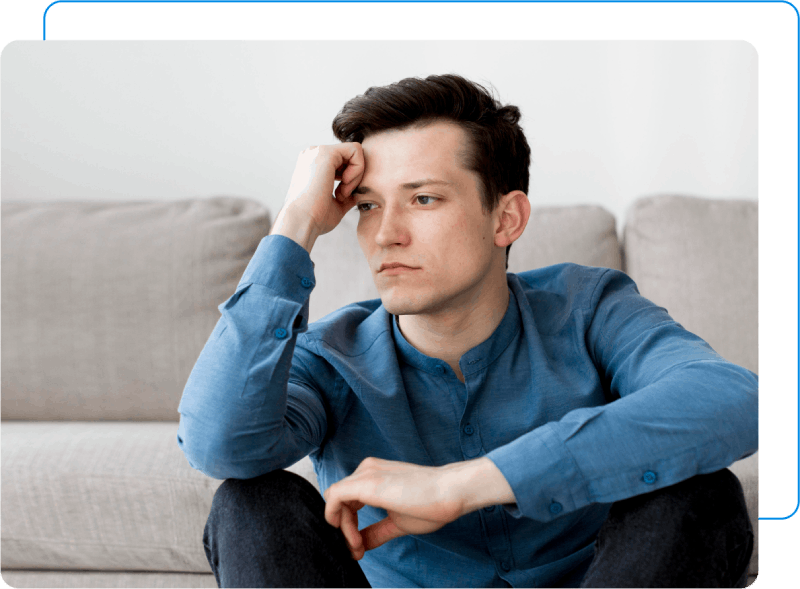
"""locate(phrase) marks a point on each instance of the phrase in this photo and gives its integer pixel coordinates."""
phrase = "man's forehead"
(435, 136)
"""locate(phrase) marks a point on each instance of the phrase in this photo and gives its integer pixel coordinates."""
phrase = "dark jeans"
(270, 531)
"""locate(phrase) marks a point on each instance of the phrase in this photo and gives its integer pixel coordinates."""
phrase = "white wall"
(607, 121)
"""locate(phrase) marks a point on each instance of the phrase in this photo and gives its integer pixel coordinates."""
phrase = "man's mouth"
(395, 268)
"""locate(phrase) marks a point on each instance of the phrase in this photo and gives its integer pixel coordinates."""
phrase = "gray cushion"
(106, 306)
(698, 258)
(582, 234)
(17, 578)
(103, 496)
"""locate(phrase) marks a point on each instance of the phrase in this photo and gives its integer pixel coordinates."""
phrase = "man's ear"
(512, 212)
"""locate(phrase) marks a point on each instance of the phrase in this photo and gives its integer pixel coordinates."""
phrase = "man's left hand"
(417, 499)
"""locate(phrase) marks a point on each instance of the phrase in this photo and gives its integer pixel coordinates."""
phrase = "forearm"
(299, 227)
(478, 483)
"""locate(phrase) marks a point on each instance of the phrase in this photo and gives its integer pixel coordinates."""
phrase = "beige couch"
(106, 306)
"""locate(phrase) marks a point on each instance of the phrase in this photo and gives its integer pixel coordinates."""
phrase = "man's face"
(420, 207)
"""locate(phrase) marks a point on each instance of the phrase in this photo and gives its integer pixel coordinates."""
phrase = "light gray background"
(607, 122)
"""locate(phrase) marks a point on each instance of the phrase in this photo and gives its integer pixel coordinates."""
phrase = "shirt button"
(440, 369)
(469, 430)
(306, 282)
(649, 477)
(281, 333)
(489, 509)
(556, 508)
(505, 566)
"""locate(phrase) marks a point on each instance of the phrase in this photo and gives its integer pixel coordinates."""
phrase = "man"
(473, 427)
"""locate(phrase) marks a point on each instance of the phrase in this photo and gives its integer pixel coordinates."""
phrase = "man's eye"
(426, 200)
(366, 204)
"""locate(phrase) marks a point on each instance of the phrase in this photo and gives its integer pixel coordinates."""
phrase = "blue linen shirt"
(586, 393)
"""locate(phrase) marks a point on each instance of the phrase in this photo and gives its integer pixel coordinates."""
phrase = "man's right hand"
(312, 208)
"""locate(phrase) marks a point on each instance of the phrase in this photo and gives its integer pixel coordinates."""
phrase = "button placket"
(470, 440)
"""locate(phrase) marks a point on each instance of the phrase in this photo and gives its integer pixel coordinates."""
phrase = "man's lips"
(395, 265)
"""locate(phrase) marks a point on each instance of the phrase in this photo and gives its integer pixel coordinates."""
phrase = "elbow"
(226, 457)
(205, 454)
(200, 456)
(214, 462)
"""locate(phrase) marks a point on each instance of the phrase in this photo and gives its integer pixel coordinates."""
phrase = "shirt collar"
(475, 359)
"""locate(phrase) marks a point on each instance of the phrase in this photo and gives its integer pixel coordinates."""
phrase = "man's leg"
(270, 531)
(693, 534)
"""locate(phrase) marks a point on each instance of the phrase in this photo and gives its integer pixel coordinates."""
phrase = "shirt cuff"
(285, 271)
(283, 266)
(542, 474)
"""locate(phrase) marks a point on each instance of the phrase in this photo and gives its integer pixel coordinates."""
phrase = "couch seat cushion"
(109, 580)
(103, 496)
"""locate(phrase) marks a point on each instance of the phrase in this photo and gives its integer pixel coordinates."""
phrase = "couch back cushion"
(698, 258)
(580, 234)
(106, 306)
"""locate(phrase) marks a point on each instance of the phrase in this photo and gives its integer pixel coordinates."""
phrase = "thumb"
(379, 533)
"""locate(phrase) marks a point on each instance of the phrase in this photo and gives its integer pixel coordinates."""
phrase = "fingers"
(379, 533)
(338, 193)
(351, 534)
(353, 156)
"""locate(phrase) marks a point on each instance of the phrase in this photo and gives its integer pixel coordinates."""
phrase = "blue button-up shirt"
(586, 393)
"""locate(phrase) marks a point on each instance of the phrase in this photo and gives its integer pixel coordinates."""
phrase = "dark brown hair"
(499, 152)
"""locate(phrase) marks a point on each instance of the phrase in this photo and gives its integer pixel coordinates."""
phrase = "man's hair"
(499, 152)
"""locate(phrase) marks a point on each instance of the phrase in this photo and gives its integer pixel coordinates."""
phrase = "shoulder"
(561, 293)
(576, 283)
(349, 331)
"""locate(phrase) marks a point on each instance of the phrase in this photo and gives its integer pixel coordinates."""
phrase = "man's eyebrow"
(407, 186)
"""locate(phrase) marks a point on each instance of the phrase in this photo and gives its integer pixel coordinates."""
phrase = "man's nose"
(392, 230)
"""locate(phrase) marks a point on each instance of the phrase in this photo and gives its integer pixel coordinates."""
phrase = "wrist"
(297, 226)
(477, 484)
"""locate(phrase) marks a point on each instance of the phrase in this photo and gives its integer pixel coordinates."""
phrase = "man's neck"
(450, 343)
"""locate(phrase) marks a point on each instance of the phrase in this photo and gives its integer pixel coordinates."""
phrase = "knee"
(695, 533)
(707, 503)
(274, 490)
(718, 495)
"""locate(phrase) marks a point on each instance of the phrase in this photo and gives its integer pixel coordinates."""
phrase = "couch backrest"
(698, 258)
(106, 306)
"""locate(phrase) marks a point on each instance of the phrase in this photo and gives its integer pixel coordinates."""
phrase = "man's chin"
(401, 307)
